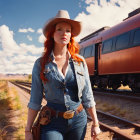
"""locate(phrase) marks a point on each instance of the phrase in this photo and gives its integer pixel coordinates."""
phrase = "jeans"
(63, 129)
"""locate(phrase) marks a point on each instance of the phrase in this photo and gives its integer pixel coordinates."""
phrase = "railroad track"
(118, 91)
(118, 94)
(28, 84)
(122, 96)
(23, 86)
(122, 129)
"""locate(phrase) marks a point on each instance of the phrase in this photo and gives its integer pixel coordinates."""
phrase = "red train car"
(113, 54)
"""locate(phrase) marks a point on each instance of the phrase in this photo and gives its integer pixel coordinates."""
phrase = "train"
(112, 54)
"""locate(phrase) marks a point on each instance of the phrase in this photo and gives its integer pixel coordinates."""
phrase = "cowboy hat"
(63, 16)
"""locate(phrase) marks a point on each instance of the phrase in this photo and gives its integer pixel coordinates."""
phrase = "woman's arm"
(93, 114)
(34, 104)
(31, 117)
(35, 99)
(89, 103)
(95, 130)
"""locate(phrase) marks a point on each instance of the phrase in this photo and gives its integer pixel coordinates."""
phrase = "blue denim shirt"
(56, 89)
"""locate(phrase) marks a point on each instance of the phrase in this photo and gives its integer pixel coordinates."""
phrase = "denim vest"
(51, 88)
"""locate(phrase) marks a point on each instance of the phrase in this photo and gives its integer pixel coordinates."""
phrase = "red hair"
(72, 46)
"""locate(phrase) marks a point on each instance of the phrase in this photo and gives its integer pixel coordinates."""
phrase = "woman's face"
(62, 33)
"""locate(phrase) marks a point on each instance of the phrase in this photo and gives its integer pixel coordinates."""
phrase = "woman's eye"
(68, 31)
(59, 29)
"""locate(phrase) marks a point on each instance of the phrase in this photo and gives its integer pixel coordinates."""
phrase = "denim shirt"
(55, 89)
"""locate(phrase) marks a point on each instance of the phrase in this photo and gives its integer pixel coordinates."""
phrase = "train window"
(122, 41)
(136, 37)
(107, 46)
(81, 52)
(88, 51)
(93, 50)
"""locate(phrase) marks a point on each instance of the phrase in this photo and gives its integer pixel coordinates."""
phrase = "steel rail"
(132, 98)
(113, 117)
(118, 91)
(117, 133)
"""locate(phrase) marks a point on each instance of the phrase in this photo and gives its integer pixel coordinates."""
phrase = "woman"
(63, 75)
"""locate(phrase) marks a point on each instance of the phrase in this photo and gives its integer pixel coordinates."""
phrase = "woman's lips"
(63, 38)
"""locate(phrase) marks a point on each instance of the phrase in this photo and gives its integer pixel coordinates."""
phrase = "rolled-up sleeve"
(36, 88)
(87, 93)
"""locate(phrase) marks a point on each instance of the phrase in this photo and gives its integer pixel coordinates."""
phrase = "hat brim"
(75, 25)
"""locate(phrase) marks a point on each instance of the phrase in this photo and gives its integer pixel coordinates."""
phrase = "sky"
(21, 23)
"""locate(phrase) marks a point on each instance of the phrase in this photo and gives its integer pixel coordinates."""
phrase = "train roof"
(94, 33)
(131, 22)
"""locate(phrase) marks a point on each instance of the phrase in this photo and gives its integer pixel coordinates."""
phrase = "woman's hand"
(28, 135)
(95, 130)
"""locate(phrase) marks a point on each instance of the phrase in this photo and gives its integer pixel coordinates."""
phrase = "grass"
(2, 82)
(10, 102)
(3, 106)
(124, 87)
(28, 79)
(14, 99)
(3, 99)
(19, 134)
(16, 105)
(115, 109)
(121, 87)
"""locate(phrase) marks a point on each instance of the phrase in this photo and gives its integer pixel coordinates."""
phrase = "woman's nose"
(64, 32)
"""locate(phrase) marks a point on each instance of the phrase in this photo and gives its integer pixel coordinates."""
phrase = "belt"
(67, 114)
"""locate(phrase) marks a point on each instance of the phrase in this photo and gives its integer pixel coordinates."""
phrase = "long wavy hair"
(73, 48)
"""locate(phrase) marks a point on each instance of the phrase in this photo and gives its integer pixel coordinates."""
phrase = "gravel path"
(24, 97)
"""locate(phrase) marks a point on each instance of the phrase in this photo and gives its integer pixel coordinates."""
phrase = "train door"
(97, 57)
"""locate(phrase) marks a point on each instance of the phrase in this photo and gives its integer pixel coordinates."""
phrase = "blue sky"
(21, 22)
(23, 14)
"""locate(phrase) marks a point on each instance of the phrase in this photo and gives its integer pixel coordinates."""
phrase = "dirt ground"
(123, 108)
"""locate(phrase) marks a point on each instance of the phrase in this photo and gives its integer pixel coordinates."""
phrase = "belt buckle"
(68, 114)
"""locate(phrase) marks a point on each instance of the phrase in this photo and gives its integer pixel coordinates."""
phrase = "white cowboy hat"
(63, 16)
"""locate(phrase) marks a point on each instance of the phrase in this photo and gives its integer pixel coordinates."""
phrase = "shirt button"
(67, 106)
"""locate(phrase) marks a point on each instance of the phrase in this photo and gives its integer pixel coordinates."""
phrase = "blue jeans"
(62, 129)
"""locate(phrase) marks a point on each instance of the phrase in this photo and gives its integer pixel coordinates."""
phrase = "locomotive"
(112, 54)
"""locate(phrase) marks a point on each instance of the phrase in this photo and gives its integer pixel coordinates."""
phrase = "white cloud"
(39, 31)
(9, 46)
(41, 38)
(26, 30)
(26, 59)
(16, 58)
(105, 14)
(31, 48)
(29, 38)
